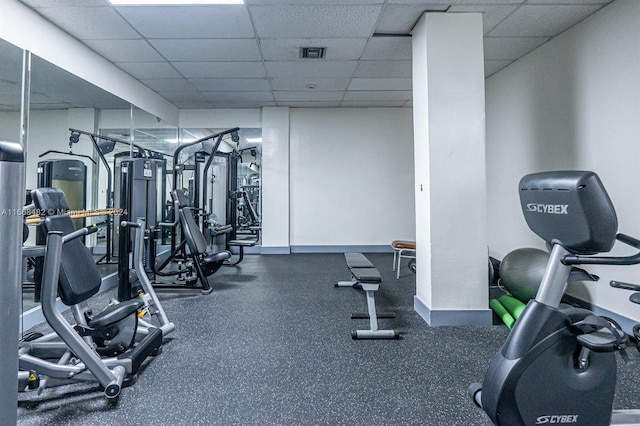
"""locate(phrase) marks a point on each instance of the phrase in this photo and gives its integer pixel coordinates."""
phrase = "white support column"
(449, 143)
(275, 180)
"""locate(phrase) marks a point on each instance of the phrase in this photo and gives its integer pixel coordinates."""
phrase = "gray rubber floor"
(272, 346)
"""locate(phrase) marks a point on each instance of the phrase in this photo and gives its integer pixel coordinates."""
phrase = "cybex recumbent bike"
(558, 364)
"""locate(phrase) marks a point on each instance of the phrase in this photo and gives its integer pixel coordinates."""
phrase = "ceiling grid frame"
(377, 68)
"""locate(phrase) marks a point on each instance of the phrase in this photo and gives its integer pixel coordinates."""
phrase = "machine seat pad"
(217, 257)
(357, 260)
(243, 243)
(115, 313)
(367, 275)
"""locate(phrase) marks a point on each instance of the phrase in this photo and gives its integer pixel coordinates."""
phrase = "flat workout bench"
(366, 276)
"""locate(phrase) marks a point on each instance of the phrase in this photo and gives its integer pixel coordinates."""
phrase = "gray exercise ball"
(521, 272)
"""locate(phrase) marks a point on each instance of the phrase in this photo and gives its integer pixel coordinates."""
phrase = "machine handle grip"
(168, 224)
(126, 224)
(608, 260)
(628, 240)
(92, 229)
(624, 286)
(87, 230)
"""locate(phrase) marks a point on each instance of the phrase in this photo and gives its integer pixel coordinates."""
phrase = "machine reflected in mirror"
(227, 187)
(58, 99)
(217, 170)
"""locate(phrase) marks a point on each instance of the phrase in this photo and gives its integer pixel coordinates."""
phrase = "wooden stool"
(402, 248)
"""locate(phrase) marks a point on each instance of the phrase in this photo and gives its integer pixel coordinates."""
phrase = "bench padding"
(243, 243)
(367, 275)
(357, 260)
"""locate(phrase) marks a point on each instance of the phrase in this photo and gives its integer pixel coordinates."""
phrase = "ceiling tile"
(285, 2)
(62, 3)
(380, 84)
(220, 98)
(542, 20)
(80, 95)
(221, 69)
(302, 104)
(378, 95)
(217, 62)
(383, 69)
(308, 96)
(167, 84)
(452, 2)
(388, 48)
(10, 93)
(288, 49)
(208, 50)
(491, 14)
(571, 1)
(400, 19)
(311, 69)
(125, 50)
(182, 98)
(510, 48)
(301, 21)
(238, 96)
(241, 104)
(365, 104)
(231, 84)
(491, 67)
(300, 84)
(146, 70)
(221, 21)
(10, 66)
(90, 23)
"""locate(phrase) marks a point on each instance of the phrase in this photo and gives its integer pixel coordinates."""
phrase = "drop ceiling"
(245, 56)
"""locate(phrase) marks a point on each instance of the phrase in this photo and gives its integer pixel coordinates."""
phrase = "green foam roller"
(513, 305)
(502, 312)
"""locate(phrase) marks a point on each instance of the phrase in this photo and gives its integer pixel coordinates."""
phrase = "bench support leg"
(373, 332)
(351, 283)
(371, 305)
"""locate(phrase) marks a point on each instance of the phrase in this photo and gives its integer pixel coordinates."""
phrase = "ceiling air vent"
(313, 52)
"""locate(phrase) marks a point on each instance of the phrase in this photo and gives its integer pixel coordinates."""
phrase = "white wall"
(351, 176)
(574, 103)
(220, 118)
(275, 180)
(49, 130)
(351, 181)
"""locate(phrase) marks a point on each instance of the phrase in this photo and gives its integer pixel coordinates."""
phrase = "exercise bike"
(558, 365)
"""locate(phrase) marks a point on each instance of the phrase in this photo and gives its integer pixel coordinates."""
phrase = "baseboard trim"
(342, 249)
(247, 250)
(275, 250)
(436, 318)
